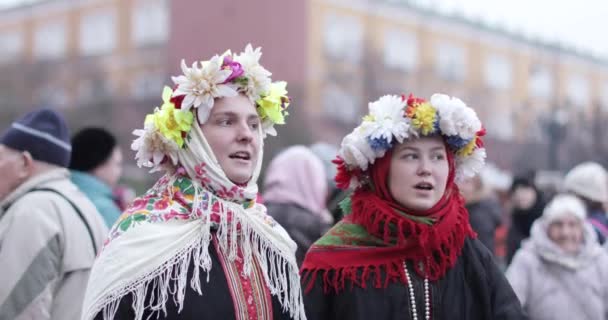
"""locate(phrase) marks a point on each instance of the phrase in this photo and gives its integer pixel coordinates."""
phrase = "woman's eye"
(438, 157)
(410, 156)
(255, 125)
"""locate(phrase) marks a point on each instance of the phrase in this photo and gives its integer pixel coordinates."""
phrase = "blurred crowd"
(548, 238)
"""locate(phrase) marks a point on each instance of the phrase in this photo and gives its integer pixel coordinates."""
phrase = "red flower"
(177, 101)
(414, 101)
(161, 204)
(138, 204)
(344, 176)
(479, 141)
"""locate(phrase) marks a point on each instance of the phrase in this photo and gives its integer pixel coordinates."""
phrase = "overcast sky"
(582, 24)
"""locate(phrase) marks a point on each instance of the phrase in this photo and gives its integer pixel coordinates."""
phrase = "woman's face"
(567, 233)
(111, 170)
(232, 131)
(418, 172)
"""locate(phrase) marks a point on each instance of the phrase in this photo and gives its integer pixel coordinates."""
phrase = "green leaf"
(125, 224)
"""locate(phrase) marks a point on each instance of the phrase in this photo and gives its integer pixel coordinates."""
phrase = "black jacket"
(485, 217)
(474, 289)
(302, 225)
(215, 303)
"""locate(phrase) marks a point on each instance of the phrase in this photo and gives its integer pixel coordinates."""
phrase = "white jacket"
(552, 285)
(46, 251)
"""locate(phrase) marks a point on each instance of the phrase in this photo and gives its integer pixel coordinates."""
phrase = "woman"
(527, 205)
(484, 210)
(197, 245)
(405, 249)
(295, 191)
(589, 182)
(560, 272)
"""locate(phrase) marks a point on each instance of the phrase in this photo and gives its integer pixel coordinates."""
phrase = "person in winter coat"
(295, 190)
(484, 210)
(560, 272)
(405, 248)
(527, 205)
(49, 231)
(589, 182)
(198, 245)
(96, 167)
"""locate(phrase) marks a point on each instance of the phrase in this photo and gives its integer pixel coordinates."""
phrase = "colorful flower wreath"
(166, 129)
(392, 119)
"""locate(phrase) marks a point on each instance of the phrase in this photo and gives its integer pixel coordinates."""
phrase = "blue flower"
(379, 144)
(456, 142)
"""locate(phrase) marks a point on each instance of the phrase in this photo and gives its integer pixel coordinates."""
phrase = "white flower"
(455, 117)
(386, 119)
(258, 78)
(201, 85)
(152, 147)
(268, 128)
(356, 151)
(468, 167)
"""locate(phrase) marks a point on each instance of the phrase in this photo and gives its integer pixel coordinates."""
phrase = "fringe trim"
(170, 278)
(437, 247)
(335, 280)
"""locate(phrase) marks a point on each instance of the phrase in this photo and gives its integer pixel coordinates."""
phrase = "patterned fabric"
(163, 203)
(251, 297)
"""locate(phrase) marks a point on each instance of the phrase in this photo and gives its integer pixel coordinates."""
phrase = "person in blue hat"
(50, 232)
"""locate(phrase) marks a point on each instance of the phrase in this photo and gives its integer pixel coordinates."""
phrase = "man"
(49, 231)
(96, 166)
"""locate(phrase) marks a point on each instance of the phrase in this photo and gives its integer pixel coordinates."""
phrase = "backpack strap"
(84, 221)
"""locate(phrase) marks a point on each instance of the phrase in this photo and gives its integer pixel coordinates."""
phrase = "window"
(147, 85)
(541, 82)
(498, 72)
(98, 32)
(340, 105)
(578, 91)
(54, 96)
(343, 37)
(11, 46)
(451, 62)
(50, 40)
(501, 122)
(94, 89)
(150, 23)
(400, 50)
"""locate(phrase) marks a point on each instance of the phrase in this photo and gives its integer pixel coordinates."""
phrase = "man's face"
(13, 170)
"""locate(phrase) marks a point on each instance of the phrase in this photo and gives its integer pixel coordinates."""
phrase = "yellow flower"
(270, 106)
(468, 149)
(424, 116)
(169, 121)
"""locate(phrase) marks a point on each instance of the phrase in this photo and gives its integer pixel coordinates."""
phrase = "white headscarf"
(158, 253)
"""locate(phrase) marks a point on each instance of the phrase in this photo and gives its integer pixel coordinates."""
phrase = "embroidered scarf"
(151, 246)
(377, 235)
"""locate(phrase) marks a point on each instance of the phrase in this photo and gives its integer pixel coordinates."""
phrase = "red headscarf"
(432, 248)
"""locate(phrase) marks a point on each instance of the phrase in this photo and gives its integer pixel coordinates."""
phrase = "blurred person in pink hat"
(295, 193)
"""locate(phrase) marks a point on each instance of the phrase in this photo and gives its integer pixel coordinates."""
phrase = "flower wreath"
(392, 119)
(166, 130)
